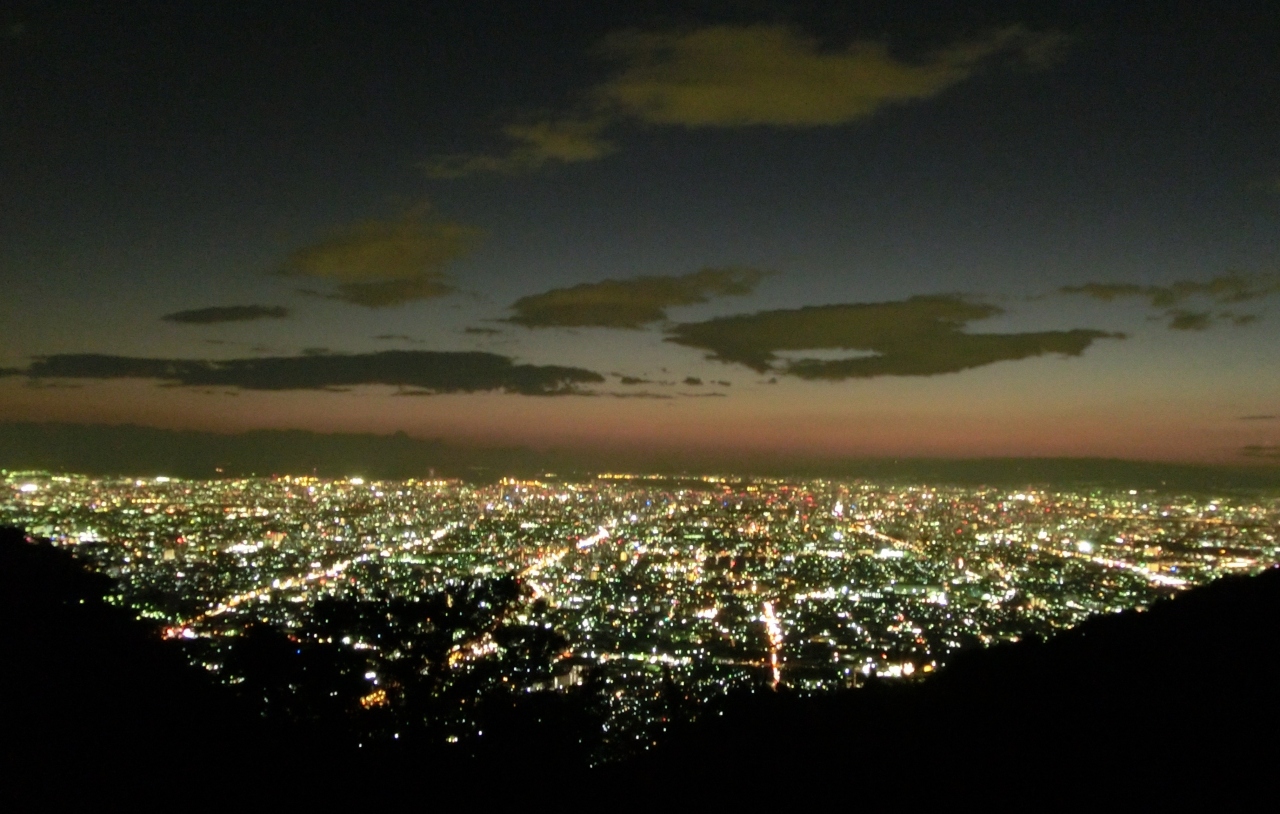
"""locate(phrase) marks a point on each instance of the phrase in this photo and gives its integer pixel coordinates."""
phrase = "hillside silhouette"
(92, 699)
(1185, 695)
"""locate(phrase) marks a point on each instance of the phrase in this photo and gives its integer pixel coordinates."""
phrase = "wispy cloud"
(631, 303)
(429, 371)
(1181, 319)
(640, 394)
(921, 336)
(736, 76)
(378, 263)
(532, 147)
(226, 313)
(1225, 289)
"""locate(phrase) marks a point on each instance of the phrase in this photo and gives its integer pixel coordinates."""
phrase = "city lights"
(628, 586)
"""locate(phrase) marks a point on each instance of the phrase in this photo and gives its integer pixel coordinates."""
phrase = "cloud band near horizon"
(429, 371)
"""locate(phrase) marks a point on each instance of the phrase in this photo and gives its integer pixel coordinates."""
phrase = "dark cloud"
(921, 336)
(641, 394)
(481, 331)
(630, 303)
(1268, 452)
(1183, 320)
(1224, 289)
(1259, 417)
(226, 313)
(398, 338)
(377, 263)
(693, 381)
(1227, 288)
(429, 371)
(632, 380)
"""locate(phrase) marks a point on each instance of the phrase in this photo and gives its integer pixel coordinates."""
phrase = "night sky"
(1007, 229)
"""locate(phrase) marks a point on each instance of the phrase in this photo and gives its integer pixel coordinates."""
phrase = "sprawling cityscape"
(409, 603)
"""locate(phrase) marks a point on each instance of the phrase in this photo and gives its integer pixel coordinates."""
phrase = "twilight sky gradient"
(818, 229)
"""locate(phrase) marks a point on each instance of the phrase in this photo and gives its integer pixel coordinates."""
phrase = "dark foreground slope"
(89, 695)
(95, 706)
(1180, 697)
(1186, 694)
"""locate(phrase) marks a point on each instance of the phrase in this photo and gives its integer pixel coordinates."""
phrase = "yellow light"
(377, 698)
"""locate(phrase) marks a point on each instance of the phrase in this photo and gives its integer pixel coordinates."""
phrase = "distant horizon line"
(132, 449)
(1254, 463)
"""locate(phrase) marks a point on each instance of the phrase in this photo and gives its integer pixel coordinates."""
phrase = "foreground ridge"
(1178, 696)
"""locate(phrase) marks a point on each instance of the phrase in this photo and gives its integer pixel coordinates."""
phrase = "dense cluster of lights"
(709, 584)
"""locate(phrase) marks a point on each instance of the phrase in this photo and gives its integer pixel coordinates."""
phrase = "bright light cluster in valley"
(424, 596)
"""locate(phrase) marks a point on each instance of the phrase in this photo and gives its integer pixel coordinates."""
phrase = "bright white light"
(1084, 547)
(599, 536)
(356, 481)
(162, 479)
(28, 487)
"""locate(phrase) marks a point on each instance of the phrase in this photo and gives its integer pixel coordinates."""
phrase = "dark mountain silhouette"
(1185, 695)
(94, 703)
(92, 699)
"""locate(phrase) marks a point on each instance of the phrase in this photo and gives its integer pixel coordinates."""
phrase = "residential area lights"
(635, 584)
